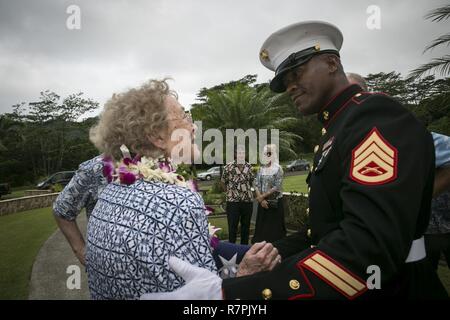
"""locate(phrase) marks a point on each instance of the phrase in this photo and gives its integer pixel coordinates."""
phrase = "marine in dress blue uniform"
(370, 190)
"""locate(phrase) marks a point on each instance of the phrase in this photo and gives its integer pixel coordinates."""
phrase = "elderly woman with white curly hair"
(148, 210)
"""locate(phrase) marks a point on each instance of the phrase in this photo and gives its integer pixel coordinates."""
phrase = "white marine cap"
(296, 44)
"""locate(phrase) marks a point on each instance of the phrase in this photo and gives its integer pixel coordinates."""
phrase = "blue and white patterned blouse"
(82, 191)
(442, 149)
(132, 232)
(269, 178)
(440, 206)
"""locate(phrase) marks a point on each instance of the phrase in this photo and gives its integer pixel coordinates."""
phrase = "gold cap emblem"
(264, 55)
(317, 47)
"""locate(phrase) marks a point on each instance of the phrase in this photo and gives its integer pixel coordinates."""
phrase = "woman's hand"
(262, 256)
(265, 204)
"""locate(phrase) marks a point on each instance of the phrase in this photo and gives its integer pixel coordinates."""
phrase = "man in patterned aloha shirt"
(237, 178)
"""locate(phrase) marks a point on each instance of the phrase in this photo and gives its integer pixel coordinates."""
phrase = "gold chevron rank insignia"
(341, 279)
(374, 160)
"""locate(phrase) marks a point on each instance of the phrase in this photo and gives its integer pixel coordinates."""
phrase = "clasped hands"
(262, 256)
(262, 201)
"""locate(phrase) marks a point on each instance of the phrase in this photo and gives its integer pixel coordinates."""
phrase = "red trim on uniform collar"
(336, 103)
(335, 114)
(334, 97)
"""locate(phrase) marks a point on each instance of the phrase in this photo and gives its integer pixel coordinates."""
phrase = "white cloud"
(199, 43)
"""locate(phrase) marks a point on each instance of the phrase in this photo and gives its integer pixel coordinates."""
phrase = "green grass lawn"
(21, 236)
(295, 184)
(14, 194)
(17, 192)
(220, 222)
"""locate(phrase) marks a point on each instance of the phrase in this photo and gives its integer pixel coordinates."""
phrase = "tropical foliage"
(241, 105)
(441, 64)
(43, 137)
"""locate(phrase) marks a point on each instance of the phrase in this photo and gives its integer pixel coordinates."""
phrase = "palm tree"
(245, 107)
(442, 64)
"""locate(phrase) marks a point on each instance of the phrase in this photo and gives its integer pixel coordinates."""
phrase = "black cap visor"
(293, 61)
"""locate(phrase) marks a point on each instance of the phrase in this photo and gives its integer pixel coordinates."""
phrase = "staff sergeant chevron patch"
(374, 160)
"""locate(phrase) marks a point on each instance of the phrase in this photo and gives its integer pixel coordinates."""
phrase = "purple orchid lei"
(127, 171)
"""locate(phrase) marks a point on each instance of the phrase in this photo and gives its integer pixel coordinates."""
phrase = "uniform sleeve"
(380, 214)
(292, 244)
(442, 149)
(76, 195)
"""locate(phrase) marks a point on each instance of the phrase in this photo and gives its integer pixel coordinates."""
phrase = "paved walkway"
(49, 277)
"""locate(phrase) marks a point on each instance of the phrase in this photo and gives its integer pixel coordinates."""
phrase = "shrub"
(215, 199)
(216, 187)
(295, 211)
(57, 187)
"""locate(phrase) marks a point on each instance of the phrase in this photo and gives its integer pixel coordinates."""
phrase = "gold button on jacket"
(294, 284)
(267, 294)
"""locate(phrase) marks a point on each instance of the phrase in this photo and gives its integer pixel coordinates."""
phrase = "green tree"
(43, 137)
(202, 96)
(239, 105)
(47, 122)
(441, 64)
(390, 83)
(434, 110)
(426, 97)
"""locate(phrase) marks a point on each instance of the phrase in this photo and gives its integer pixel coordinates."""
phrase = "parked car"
(4, 189)
(213, 172)
(62, 178)
(298, 165)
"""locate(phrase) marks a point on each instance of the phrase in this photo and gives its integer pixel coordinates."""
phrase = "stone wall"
(37, 192)
(294, 205)
(27, 203)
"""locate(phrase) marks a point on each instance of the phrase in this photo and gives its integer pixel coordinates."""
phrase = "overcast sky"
(199, 43)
